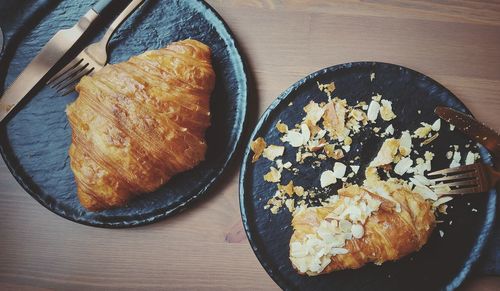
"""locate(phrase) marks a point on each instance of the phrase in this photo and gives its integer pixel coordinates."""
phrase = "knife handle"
(99, 6)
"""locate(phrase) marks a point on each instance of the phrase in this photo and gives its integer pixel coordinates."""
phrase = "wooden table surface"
(455, 42)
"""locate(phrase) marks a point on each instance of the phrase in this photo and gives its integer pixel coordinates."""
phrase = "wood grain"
(455, 42)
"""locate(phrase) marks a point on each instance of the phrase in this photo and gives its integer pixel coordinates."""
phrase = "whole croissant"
(138, 123)
(402, 224)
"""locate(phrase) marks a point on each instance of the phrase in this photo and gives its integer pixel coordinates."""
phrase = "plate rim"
(482, 237)
(241, 121)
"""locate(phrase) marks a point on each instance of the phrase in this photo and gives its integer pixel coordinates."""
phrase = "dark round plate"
(34, 143)
(442, 263)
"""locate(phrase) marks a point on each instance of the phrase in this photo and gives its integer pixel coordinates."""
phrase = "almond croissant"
(360, 226)
(138, 123)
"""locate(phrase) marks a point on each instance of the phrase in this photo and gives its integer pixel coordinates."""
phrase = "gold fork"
(91, 59)
(474, 178)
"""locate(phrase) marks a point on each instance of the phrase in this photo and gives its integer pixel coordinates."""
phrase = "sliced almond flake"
(306, 134)
(357, 231)
(452, 127)
(299, 190)
(421, 180)
(470, 158)
(287, 165)
(373, 110)
(430, 139)
(386, 153)
(327, 88)
(442, 188)
(314, 112)
(339, 170)
(287, 189)
(273, 151)
(423, 131)
(425, 192)
(347, 141)
(290, 204)
(436, 126)
(355, 169)
(281, 127)
(377, 97)
(372, 76)
(403, 166)
(442, 208)
(389, 130)
(321, 134)
(257, 147)
(441, 200)
(455, 162)
(273, 176)
(449, 155)
(386, 110)
(294, 138)
(327, 178)
(346, 148)
(405, 143)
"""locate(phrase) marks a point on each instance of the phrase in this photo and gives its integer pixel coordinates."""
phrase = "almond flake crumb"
(372, 76)
(257, 147)
(339, 170)
(423, 131)
(355, 169)
(470, 158)
(389, 130)
(273, 176)
(327, 88)
(273, 151)
(403, 166)
(474, 210)
(373, 111)
(456, 160)
(452, 127)
(327, 178)
(441, 233)
(281, 127)
(436, 126)
(386, 110)
(294, 138)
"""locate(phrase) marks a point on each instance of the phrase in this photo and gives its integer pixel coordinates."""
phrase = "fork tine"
(455, 177)
(452, 171)
(68, 77)
(68, 86)
(462, 184)
(458, 191)
(60, 76)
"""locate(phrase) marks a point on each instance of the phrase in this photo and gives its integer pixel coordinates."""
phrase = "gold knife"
(474, 129)
(50, 54)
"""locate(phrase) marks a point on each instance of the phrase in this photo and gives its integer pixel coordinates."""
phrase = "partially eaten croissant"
(138, 123)
(377, 222)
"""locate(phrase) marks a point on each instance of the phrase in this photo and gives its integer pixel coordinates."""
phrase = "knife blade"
(50, 54)
(474, 129)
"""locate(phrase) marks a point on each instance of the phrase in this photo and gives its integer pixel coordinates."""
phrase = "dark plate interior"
(34, 143)
(442, 263)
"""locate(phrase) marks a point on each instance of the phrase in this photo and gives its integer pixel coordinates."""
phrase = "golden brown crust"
(389, 234)
(138, 123)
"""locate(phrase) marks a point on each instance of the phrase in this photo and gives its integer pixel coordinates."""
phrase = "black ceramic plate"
(34, 143)
(442, 263)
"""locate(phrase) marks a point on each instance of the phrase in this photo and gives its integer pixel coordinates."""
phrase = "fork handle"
(134, 4)
(99, 6)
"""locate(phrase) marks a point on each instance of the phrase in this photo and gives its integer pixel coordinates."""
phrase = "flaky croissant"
(394, 224)
(138, 123)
